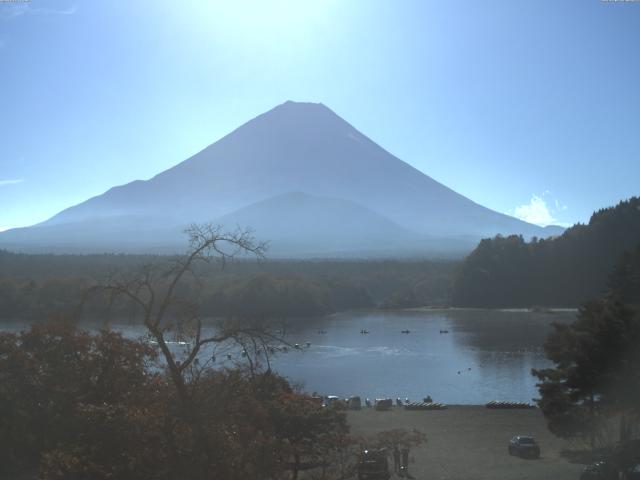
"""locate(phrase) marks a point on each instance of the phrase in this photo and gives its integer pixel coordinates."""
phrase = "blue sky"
(530, 108)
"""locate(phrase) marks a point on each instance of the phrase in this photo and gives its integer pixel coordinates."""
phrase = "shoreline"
(534, 309)
(426, 308)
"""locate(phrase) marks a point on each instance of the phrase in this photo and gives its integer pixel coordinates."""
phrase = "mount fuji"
(302, 178)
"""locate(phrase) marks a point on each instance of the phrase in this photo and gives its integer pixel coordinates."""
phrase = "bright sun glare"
(255, 18)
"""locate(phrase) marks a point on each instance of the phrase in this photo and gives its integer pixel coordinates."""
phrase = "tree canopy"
(596, 372)
(75, 405)
(564, 271)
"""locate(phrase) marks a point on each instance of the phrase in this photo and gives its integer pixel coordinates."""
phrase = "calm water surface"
(487, 354)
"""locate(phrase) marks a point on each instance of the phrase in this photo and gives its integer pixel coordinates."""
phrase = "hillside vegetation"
(36, 286)
(563, 272)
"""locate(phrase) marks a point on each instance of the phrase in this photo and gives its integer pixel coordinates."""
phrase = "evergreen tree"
(597, 363)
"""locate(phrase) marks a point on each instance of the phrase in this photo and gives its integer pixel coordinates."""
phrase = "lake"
(486, 354)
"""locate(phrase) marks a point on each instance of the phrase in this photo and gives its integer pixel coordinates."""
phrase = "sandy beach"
(470, 442)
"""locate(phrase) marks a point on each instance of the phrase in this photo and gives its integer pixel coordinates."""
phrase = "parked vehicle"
(355, 403)
(384, 403)
(602, 470)
(626, 455)
(634, 473)
(623, 461)
(373, 465)
(330, 400)
(524, 446)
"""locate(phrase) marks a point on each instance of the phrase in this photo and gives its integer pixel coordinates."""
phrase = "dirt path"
(470, 442)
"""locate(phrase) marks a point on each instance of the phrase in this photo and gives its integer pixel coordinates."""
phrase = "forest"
(36, 286)
(564, 271)
(80, 405)
(594, 379)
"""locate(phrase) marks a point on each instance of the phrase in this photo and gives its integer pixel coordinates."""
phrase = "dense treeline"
(563, 271)
(263, 295)
(625, 279)
(37, 286)
(595, 376)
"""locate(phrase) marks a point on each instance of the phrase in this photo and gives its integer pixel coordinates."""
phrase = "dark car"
(524, 446)
(633, 473)
(602, 470)
(373, 465)
(626, 456)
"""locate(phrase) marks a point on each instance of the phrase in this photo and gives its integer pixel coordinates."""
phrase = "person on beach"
(404, 462)
(396, 459)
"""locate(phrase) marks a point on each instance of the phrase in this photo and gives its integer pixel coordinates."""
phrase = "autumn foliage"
(75, 405)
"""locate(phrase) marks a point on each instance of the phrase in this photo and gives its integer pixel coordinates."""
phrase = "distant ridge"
(311, 226)
(295, 147)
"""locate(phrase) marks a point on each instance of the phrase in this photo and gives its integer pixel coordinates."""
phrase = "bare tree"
(154, 290)
(157, 291)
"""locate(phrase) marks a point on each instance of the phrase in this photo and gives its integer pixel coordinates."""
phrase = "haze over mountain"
(302, 177)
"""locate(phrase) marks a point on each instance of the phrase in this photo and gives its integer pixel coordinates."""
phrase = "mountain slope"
(298, 224)
(294, 147)
(118, 233)
(294, 224)
(304, 219)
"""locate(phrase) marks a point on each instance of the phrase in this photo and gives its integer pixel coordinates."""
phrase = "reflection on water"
(486, 355)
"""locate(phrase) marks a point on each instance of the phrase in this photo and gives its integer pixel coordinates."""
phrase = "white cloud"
(11, 182)
(559, 207)
(541, 210)
(536, 211)
(18, 9)
(55, 11)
